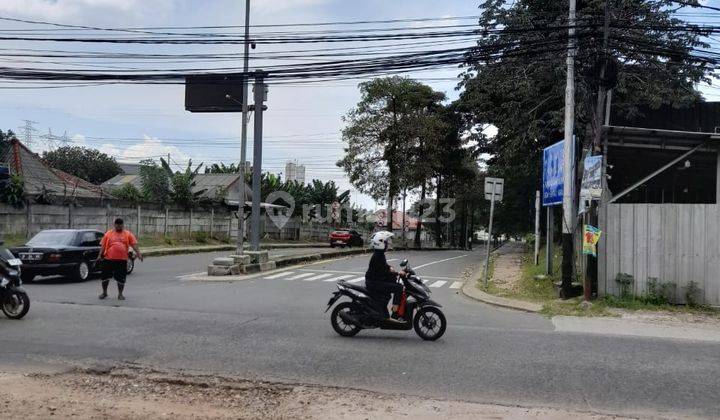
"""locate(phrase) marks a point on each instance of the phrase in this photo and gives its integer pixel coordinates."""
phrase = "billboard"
(591, 187)
(552, 183)
(214, 93)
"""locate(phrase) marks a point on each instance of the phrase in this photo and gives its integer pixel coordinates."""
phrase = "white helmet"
(381, 240)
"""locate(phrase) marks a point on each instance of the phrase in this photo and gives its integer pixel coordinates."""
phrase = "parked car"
(345, 237)
(65, 252)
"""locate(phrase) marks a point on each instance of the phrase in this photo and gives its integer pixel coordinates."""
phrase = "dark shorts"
(116, 269)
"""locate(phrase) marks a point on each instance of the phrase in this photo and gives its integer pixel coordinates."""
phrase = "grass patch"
(198, 238)
(11, 240)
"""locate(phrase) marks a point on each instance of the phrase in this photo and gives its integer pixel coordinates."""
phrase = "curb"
(215, 248)
(473, 292)
(470, 290)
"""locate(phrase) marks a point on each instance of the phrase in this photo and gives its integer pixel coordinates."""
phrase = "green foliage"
(200, 237)
(12, 192)
(183, 191)
(88, 164)
(223, 169)
(155, 182)
(128, 192)
(693, 294)
(515, 81)
(625, 282)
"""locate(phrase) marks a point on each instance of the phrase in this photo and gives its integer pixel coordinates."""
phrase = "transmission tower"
(64, 139)
(26, 133)
(50, 140)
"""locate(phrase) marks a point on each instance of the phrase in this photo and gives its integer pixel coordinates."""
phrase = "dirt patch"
(672, 319)
(508, 269)
(140, 394)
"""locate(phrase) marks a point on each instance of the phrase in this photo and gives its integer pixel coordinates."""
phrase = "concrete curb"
(214, 248)
(281, 263)
(471, 290)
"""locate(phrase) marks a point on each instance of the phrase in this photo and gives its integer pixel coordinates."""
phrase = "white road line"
(300, 276)
(318, 277)
(356, 280)
(278, 275)
(340, 277)
(456, 285)
(391, 259)
(438, 283)
(436, 262)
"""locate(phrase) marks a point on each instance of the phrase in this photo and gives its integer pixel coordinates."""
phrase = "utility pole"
(260, 93)
(537, 227)
(590, 261)
(569, 160)
(243, 134)
(27, 131)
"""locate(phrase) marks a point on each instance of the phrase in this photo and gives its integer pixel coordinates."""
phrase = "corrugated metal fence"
(673, 243)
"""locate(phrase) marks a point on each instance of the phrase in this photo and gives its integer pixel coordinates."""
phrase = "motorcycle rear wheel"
(430, 323)
(340, 327)
(16, 305)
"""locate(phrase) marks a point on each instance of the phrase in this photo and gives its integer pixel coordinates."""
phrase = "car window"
(99, 236)
(52, 238)
(89, 239)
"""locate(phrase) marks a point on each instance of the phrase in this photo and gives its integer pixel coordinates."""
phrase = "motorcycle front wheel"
(340, 326)
(16, 305)
(430, 323)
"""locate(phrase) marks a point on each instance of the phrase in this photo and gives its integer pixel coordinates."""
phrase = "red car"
(345, 237)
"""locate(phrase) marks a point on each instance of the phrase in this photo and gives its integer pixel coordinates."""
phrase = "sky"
(302, 123)
(132, 122)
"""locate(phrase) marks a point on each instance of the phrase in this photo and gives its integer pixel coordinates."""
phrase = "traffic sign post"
(493, 192)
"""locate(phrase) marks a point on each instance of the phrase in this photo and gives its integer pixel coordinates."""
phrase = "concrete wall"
(675, 243)
(144, 220)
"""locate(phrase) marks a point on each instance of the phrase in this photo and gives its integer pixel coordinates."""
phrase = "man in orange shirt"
(114, 252)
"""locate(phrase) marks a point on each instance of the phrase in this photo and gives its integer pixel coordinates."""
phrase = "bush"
(200, 237)
(625, 282)
(693, 294)
(127, 192)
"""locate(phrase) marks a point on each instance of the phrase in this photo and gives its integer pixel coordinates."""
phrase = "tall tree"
(514, 79)
(380, 130)
(155, 182)
(88, 164)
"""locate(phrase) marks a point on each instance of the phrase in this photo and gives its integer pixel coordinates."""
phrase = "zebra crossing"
(312, 276)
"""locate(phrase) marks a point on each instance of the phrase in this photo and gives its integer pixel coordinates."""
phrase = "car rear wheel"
(27, 277)
(130, 265)
(82, 271)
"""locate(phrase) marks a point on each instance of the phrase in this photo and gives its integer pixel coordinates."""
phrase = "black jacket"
(378, 269)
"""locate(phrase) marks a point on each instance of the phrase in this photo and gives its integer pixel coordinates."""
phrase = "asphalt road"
(276, 329)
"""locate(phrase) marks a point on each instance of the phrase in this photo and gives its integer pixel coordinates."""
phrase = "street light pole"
(243, 136)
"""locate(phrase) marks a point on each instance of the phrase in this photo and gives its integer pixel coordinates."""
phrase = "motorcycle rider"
(380, 276)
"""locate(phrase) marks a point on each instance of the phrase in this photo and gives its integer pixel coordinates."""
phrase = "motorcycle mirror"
(404, 263)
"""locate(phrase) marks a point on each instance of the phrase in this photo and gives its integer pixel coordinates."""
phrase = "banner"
(552, 185)
(591, 187)
(591, 236)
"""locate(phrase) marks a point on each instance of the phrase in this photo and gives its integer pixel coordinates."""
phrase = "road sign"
(552, 191)
(494, 185)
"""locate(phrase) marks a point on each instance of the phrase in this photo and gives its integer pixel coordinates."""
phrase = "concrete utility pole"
(260, 92)
(243, 135)
(569, 160)
(537, 227)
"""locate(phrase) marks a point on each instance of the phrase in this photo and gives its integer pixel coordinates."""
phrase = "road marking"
(300, 276)
(436, 262)
(278, 275)
(318, 277)
(347, 276)
(356, 280)
(456, 285)
(438, 283)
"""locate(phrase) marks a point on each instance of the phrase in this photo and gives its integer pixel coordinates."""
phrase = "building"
(43, 183)
(294, 172)
(659, 213)
(216, 187)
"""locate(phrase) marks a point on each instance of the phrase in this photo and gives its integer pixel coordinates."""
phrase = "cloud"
(78, 140)
(78, 10)
(274, 6)
(150, 148)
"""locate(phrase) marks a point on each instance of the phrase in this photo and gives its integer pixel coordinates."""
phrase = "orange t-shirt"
(117, 244)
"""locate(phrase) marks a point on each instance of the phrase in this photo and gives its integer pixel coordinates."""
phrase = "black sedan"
(66, 252)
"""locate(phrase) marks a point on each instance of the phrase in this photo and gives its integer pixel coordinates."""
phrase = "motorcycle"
(368, 310)
(14, 300)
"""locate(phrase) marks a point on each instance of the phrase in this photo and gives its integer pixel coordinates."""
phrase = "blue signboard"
(552, 188)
